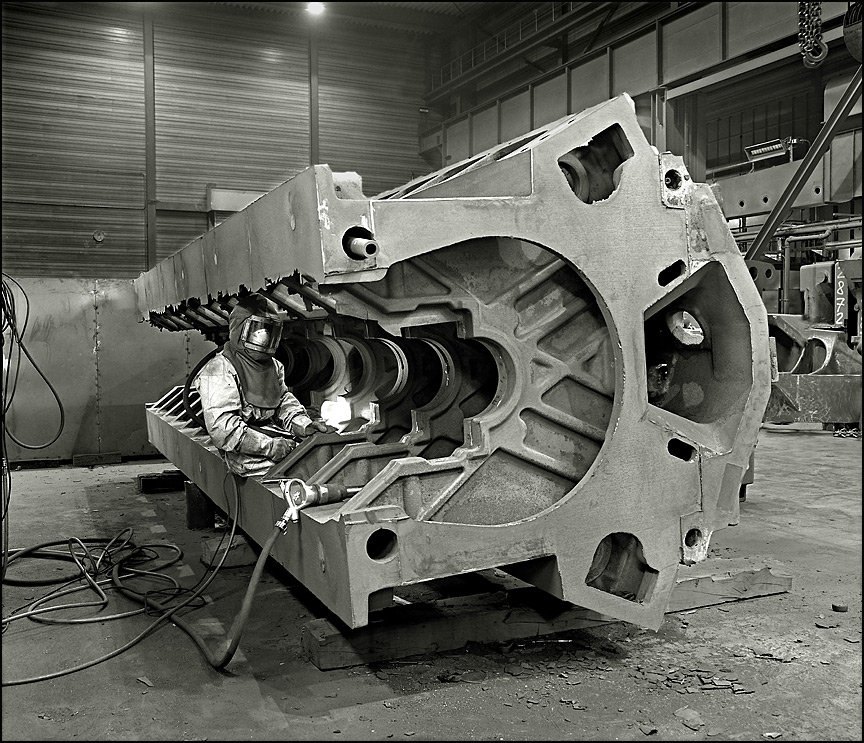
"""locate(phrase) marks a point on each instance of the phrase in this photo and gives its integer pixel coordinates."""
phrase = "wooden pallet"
(491, 606)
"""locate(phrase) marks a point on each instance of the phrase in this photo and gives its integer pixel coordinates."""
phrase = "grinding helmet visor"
(261, 334)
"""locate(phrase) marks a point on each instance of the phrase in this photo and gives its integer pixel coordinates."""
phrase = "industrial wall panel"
(634, 65)
(370, 92)
(43, 182)
(835, 87)
(691, 43)
(484, 130)
(46, 240)
(128, 376)
(751, 25)
(589, 83)
(457, 144)
(232, 102)
(175, 230)
(774, 105)
(61, 338)
(515, 115)
(843, 175)
(73, 123)
(87, 339)
(550, 100)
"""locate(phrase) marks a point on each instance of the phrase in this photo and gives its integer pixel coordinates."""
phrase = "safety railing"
(543, 16)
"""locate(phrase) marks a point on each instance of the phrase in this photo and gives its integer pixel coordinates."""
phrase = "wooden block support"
(504, 615)
(200, 511)
(162, 482)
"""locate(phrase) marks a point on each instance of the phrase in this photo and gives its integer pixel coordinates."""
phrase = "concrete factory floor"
(784, 666)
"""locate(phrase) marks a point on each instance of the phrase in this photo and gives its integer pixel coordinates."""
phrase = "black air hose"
(222, 658)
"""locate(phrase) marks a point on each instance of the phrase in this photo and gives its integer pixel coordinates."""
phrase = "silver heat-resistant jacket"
(226, 414)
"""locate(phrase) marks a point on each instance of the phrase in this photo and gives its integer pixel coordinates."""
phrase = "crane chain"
(813, 49)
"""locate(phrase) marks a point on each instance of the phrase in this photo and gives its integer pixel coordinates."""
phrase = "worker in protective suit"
(243, 388)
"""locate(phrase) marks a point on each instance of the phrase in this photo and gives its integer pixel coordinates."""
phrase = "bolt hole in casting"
(670, 273)
(685, 328)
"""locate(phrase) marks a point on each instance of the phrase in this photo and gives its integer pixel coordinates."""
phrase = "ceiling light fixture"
(315, 8)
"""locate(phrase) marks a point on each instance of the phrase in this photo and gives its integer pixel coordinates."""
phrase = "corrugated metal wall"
(73, 144)
(231, 109)
(370, 91)
(232, 102)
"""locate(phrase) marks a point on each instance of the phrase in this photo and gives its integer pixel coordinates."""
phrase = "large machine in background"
(808, 271)
(549, 358)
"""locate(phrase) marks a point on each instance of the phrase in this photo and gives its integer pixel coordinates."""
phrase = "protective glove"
(319, 426)
(279, 448)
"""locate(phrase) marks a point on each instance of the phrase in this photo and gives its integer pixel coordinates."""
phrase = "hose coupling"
(299, 495)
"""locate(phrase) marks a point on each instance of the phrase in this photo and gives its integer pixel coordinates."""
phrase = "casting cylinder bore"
(396, 375)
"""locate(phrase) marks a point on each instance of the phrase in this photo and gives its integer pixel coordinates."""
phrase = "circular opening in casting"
(381, 544)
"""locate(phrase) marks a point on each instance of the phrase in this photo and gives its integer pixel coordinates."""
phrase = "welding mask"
(261, 334)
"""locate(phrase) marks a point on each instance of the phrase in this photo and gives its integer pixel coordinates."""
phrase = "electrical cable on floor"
(135, 640)
(109, 554)
(218, 661)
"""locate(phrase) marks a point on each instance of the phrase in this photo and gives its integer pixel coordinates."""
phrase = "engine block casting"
(549, 358)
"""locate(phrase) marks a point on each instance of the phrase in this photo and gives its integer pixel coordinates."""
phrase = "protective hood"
(253, 336)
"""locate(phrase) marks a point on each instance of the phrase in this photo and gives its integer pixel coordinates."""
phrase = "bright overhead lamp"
(315, 8)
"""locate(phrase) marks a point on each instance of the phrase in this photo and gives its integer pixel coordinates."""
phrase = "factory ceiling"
(415, 17)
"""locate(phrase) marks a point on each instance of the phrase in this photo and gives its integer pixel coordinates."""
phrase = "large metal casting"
(819, 376)
(549, 358)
